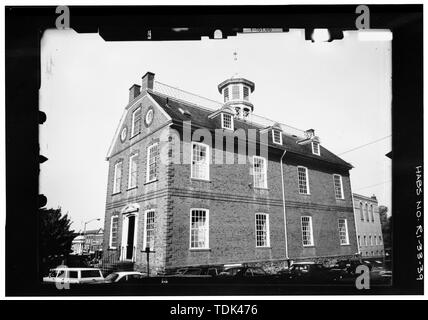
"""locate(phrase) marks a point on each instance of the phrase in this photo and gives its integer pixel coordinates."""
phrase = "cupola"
(236, 95)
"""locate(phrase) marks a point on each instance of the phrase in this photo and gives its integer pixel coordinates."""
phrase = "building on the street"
(88, 242)
(283, 196)
(368, 226)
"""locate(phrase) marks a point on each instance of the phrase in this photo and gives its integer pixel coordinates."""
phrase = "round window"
(149, 116)
(123, 134)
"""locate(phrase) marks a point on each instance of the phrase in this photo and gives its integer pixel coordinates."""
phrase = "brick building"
(275, 194)
(368, 226)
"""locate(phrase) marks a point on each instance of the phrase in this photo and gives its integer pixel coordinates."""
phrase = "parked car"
(124, 276)
(312, 272)
(243, 271)
(203, 272)
(74, 275)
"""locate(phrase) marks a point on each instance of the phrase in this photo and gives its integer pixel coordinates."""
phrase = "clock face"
(123, 134)
(149, 117)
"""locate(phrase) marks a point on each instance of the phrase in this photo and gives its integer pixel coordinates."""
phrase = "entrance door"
(130, 240)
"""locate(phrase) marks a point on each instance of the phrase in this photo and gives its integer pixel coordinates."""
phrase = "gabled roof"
(199, 117)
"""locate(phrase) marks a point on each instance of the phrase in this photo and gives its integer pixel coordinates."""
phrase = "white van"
(74, 275)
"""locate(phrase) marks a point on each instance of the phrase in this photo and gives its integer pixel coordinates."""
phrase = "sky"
(342, 89)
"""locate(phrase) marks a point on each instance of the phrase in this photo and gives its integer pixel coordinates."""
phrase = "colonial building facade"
(275, 194)
(368, 226)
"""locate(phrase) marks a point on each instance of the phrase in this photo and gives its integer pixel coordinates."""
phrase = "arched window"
(366, 207)
(372, 212)
(361, 211)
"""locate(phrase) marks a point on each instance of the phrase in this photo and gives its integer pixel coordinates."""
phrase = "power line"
(364, 145)
(373, 185)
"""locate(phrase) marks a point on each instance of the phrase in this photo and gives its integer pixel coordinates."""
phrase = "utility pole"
(147, 251)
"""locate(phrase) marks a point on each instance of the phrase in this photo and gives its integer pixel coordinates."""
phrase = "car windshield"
(112, 277)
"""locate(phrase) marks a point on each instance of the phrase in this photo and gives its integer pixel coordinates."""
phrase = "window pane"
(259, 172)
(136, 121)
(307, 231)
(303, 181)
(150, 230)
(226, 94)
(198, 229)
(246, 93)
(117, 177)
(152, 162)
(227, 121)
(113, 230)
(200, 161)
(315, 148)
(262, 230)
(338, 186)
(343, 231)
(133, 171)
(277, 136)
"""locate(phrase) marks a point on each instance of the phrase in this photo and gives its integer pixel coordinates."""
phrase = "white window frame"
(207, 229)
(149, 154)
(133, 133)
(313, 149)
(280, 136)
(307, 180)
(311, 244)
(117, 187)
(232, 125)
(342, 196)
(207, 169)
(345, 221)
(266, 215)
(115, 216)
(145, 228)
(131, 158)
(264, 172)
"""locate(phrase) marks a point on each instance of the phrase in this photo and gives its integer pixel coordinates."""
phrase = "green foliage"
(386, 223)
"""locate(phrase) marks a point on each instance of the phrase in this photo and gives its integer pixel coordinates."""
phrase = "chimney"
(148, 80)
(134, 91)
(310, 133)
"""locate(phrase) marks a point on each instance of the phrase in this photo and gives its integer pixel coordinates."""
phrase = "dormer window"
(277, 136)
(227, 121)
(226, 94)
(316, 148)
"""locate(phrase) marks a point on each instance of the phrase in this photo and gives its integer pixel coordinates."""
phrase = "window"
(226, 94)
(246, 93)
(149, 231)
(200, 161)
(226, 121)
(338, 187)
(366, 210)
(113, 232)
(365, 240)
(136, 122)
(372, 212)
(199, 229)
(359, 240)
(132, 179)
(262, 230)
(307, 237)
(152, 159)
(361, 211)
(380, 239)
(235, 92)
(370, 240)
(375, 240)
(303, 180)
(277, 136)
(259, 172)
(316, 148)
(73, 274)
(343, 232)
(117, 177)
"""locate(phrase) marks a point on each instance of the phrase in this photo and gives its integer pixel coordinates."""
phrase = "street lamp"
(84, 231)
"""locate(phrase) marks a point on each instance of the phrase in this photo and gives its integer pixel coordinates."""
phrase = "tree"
(55, 236)
(386, 223)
